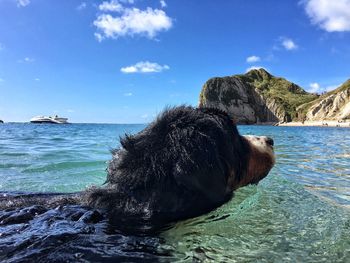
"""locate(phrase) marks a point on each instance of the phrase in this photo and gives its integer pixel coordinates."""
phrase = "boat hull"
(49, 120)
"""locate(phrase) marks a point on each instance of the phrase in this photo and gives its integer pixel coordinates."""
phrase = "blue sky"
(124, 61)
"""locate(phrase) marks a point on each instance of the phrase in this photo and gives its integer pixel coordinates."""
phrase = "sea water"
(299, 213)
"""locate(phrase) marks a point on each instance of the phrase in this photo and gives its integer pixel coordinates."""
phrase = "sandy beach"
(329, 123)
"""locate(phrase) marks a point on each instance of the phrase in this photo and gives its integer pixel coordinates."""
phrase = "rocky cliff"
(334, 105)
(255, 97)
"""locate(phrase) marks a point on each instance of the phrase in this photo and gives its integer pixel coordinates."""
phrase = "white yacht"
(44, 119)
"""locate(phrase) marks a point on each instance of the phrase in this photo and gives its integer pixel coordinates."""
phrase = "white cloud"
(317, 88)
(70, 110)
(163, 4)
(314, 87)
(285, 43)
(82, 6)
(98, 37)
(288, 44)
(330, 15)
(22, 3)
(37, 79)
(144, 67)
(144, 116)
(112, 6)
(132, 21)
(253, 59)
(26, 60)
(128, 94)
(2, 80)
(254, 67)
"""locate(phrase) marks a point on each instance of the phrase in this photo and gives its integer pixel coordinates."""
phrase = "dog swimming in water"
(185, 163)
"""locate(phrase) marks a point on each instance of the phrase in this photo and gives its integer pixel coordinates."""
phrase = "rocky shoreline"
(324, 123)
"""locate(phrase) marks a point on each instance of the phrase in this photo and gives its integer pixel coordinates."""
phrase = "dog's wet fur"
(184, 164)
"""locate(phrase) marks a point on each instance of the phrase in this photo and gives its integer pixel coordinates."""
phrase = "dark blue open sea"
(299, 213)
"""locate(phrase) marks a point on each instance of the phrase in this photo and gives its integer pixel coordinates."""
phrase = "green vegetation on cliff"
(287, 94)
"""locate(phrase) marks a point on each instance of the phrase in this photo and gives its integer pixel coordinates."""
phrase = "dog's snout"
(261, 141)
(269, 141)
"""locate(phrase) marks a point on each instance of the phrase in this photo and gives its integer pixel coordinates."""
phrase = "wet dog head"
(261, 159)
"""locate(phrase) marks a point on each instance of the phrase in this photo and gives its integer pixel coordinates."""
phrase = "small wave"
(345, 155)
(63, 166)
(58, 139)
(14, 154)
(13, 165)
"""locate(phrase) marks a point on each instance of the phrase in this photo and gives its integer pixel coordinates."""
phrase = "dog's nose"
(269, 141)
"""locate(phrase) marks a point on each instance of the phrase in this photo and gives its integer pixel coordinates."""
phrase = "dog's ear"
(198, 166)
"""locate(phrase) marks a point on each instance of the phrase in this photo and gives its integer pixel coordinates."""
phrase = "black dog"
(185, 163)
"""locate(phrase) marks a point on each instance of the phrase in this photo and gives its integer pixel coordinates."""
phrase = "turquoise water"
(39, 157)
(299, 213)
